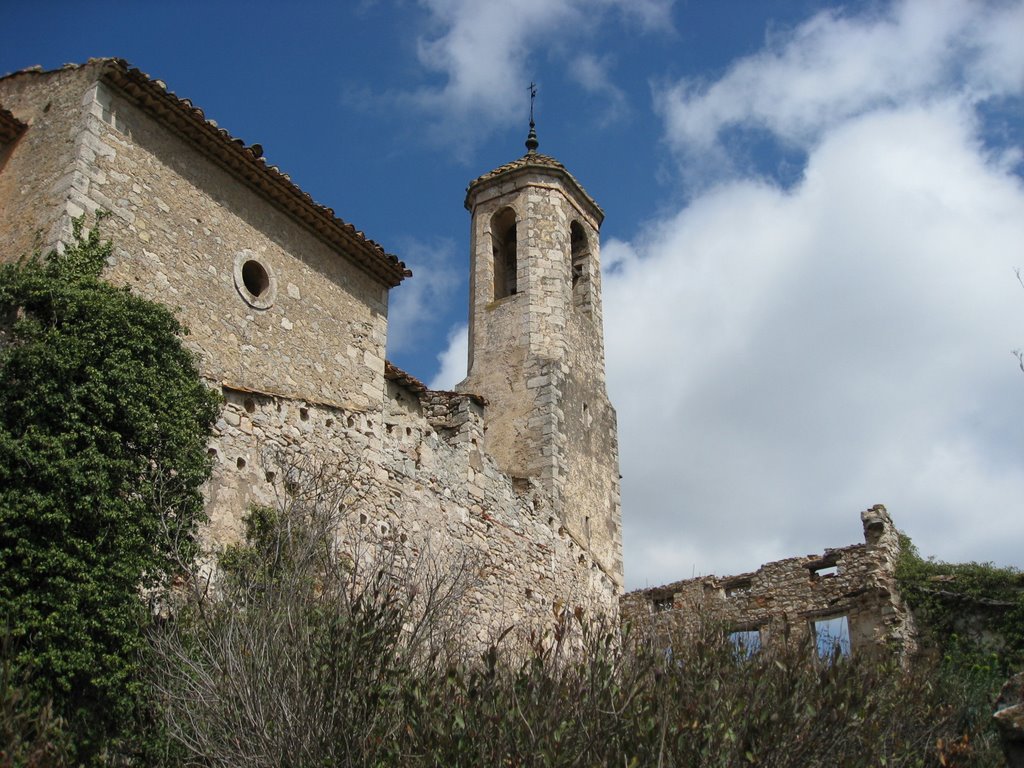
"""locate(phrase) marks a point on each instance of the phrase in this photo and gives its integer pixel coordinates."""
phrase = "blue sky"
(814, 213)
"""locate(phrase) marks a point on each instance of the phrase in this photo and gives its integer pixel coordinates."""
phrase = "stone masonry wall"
(538, 358)
(41, 163)
(419, 475)
(782, 600)
(182, 227)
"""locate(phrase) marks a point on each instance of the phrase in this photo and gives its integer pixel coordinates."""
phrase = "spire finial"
(531, 139)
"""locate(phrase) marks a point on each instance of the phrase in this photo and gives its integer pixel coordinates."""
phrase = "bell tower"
(536, 343)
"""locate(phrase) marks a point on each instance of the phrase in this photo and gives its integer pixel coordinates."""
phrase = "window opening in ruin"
(249, 405)
(304, 414)
(737, 588)
(823, 568)
(255, 278)
(503, 244)
(832, 637)
(745, 642)
(666, 603)
(580, 264)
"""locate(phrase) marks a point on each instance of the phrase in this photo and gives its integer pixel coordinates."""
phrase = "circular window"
(254, 281)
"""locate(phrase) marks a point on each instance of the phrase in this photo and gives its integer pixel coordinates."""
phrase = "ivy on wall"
(971, 613)
(103, 429)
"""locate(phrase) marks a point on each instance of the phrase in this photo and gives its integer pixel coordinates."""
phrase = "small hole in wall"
(240, 463)
(551, 521)
(255, 277)
(582, 559)
(403, 538)
(529, 593)
(350, 421)
(408, 431)
(329, 423)
(249, 404)
(304, 414)
(474, 441)
(270, 477)
(391, 429)
(211, 453)
(383, 528)
(362, 519)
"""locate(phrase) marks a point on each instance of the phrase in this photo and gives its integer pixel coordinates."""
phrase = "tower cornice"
(533, 162)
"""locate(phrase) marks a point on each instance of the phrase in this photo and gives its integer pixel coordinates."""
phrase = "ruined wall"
(419, 475)
(784, 600)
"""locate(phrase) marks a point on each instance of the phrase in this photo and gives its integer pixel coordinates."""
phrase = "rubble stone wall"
(783, 600)
(538, 355)
(418, 473)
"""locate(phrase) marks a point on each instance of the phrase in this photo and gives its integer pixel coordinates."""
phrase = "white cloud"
(781, 360)
(835, 67)
(412, 314)
(453, 360)
(592, 73)
(483, 47)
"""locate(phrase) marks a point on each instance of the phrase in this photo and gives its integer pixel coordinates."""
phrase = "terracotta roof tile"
(393, 373)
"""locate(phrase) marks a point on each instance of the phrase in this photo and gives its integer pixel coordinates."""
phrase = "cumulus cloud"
(481, 49)
(412, 314)
(834, 67)
(784, 358)
(453, 360)
(592, 73)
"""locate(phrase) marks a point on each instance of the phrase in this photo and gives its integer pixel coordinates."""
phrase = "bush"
(308, 652)
(970, 614)
(103, 430)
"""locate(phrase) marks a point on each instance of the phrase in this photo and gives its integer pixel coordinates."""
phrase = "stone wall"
(418, 474)
(785, 600)
(40, 164)
(538, 355)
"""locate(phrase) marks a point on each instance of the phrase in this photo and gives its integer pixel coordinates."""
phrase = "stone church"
(287, 307)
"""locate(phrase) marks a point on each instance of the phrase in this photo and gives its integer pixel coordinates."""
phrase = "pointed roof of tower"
(534, 161)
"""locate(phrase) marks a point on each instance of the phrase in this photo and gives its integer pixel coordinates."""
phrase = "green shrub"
(971, 614)
(103, 430)
(311, 654)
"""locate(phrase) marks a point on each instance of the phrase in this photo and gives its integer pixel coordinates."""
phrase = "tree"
(103, 429)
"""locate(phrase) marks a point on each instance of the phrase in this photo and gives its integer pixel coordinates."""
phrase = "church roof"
(245, 163)
(534, 161)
